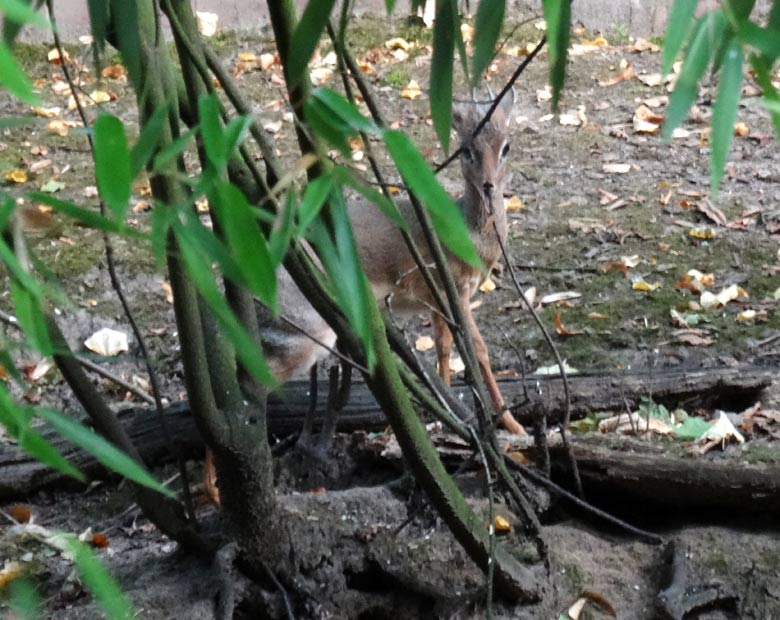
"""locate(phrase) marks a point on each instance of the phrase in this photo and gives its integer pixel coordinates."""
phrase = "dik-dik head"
(482, 159)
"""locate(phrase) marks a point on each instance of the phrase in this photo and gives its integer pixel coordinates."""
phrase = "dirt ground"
(605, 213)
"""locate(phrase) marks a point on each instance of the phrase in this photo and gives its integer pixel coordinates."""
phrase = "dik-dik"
(395, 279)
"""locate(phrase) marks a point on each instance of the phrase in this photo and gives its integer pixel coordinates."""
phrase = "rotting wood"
(21, 475)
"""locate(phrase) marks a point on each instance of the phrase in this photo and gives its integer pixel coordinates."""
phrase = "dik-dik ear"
(461, 115)
(507, 105)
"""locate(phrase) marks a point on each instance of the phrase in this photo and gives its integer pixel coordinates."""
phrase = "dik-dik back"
(394, 277)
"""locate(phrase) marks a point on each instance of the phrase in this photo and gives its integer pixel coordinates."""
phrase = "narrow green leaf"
(87, 217)
(22, 13)
(125, 13)
(28, 312)
(344, 110)
(280, 236)
(305, 38)
(724, 113)
(143, 150)
(11, 122)
(677, 30)
(93, 574)
(389, 5)
(738, 11)
(10, 367)
(17, 422)
(98, 22)
(14, 79)
(246, 243)
(328, 125)
(773, 21)
(314, 196)
(490, 17)
(212, 132)
(235, 132)
(709, 30)
(557, 14)
(104, 451)
(445, 214)
(24, 600)
(113, 168)
(250, 355)
(172, 150)
(444, 33)
(387, 206)
(12, 28)
(764, 40)
(763, 72)
(209, 246)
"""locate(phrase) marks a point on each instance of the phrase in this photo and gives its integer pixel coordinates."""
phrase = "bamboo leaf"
(211, 130)
(14, 79)
(98, 22)
(28, 312)
(444, 32)
(87, 217)
(708, 32)
(490, 17)
(724, 112)
(143, 150)
(677, 30)
(344, 110)
(245, 241)
(387, 206)
(314, 196)
(24, 600)
(113, 168)
(104, 451)
(305, 38)
(106, 591)
(445, 214)
(17, 13)
(557, 14)
(172, 150)
(125, 13)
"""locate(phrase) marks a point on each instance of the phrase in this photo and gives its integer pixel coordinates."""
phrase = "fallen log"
(21, 475)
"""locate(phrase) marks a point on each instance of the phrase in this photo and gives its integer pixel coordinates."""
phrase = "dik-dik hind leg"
(507, 419)
(442, 337)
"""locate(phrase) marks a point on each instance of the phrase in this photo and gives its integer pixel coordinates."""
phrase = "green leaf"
(709, 30)
(763, 72)
(444, 33)
(113, 168)
(143, 150)
(305, 38)
(345, 110)
(677, 30)
(281, 235)
(387, 206)
(22, 13)
(389, 5)
(445, 214)
(235, 132)
(106, 591)
(724, 112)
(557, 14)
(490, 17)
(24, 600)
(12, 28)
(125, 13)
(327, 124)
(314, 196)
(98, 22)
(692, 428)
(172, 150)
(211, 131)
(245, 241)
(773, 21)
(17, 421)
(28, 312)
(105, 452)
(250, 355)
(764, 40)
(14, 79)
(11, 122)
(87, 217)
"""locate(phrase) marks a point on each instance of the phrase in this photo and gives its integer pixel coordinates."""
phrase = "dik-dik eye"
(468, 154)
(505, 150)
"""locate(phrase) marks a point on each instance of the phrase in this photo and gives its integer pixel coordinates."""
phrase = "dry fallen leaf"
(61, 127)
(11, 570)
(99, 541)
(562, 329)
(616, 168)
(424, 343)
(168, 290)
(411, 91)
(710, 300)
(597, 316)
(16, 176)
(107, 342)
(47, 112)
(488, 285)
(626, 74)
(514, 204)
(641, 285)
(114, 72)
(398, 43)
(741, 129)
(562, 296)
(636, 423)
(273, 126)
(21, 513)
(695, 281)
(207, 23)
(702, 233)
(693, 337)
(54, 56)
(501, 525)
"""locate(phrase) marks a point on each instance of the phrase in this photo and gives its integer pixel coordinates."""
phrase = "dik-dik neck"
(480, 215)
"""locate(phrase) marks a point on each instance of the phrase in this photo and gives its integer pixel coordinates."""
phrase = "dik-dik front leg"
(507, 419)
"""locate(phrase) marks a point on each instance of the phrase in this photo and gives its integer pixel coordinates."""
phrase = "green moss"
(397, 77)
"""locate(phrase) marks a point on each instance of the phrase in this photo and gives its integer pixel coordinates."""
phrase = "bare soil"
(369, 551)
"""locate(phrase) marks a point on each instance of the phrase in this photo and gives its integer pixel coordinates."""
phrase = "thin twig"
(496, 102)
(546, 334)
(117, 285)
(491, 523)
(330, 350)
